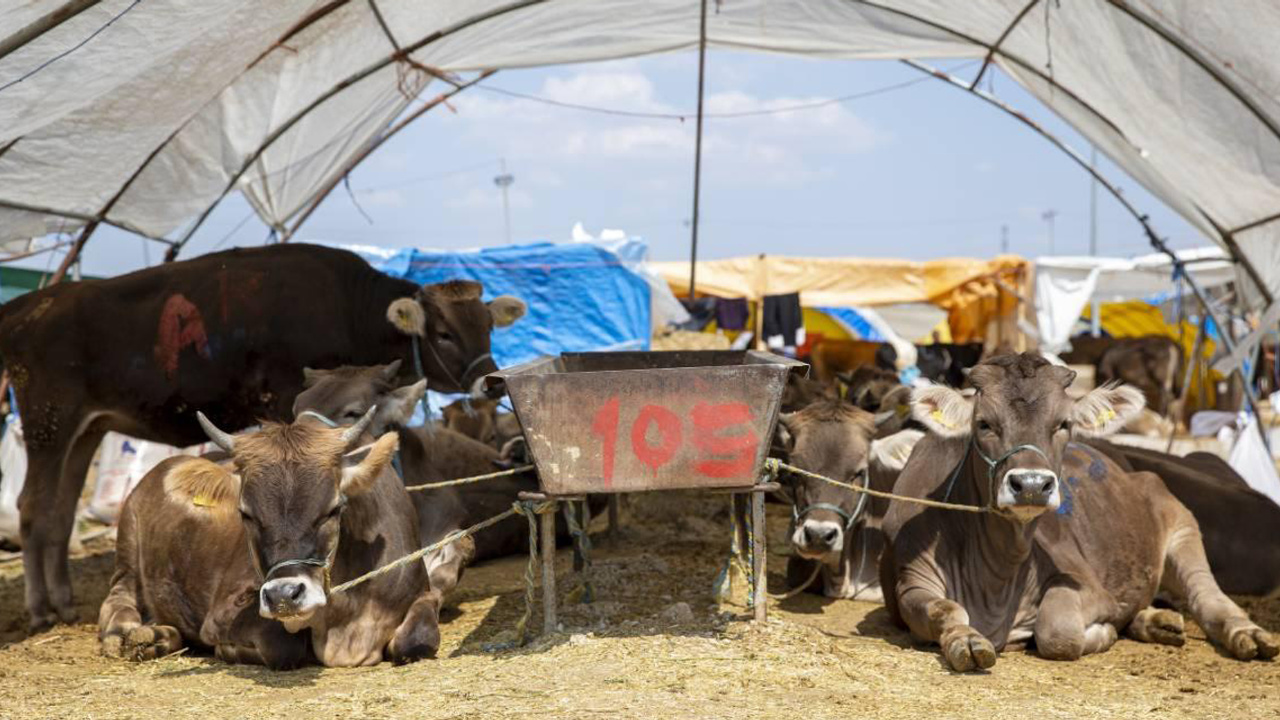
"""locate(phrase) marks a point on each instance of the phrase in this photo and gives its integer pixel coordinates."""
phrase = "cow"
(240, 560)
(427, 455)
(834, 528)
(831, 357)
(225, 332)
(944, 363)
(1151, 363)
(479, 419)
(1067, 550)
(800, 392)
(1237, 522)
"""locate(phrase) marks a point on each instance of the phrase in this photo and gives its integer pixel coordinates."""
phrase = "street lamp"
(1048, 216)
(504, 181)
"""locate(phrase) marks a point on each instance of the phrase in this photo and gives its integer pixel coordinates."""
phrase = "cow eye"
(352, 415)
(245, 516)
(984, 426)
(1065, 426)
(444, 336)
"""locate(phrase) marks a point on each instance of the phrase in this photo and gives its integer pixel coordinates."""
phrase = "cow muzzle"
(818, 539)
(291, 600)
(1026, 493)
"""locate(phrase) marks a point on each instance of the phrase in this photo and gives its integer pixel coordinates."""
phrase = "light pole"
(1048, 216)
(1093, 202)
(1004, 239)
(504, 180)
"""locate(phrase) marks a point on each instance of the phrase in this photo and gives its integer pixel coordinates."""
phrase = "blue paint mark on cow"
(1067, 505)
(1097, 469)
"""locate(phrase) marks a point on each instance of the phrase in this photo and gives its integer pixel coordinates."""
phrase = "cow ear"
(408, 316)
(506, 310)
(784, 440)
(391, 370)
(891, 453)
(944, 411)
(311, 376)
(1105, 410)
(361, 466)
(397, 407)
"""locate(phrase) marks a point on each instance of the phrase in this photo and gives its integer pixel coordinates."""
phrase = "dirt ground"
(652, 645)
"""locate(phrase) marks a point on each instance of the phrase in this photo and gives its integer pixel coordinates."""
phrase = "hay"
(637, 653)
(687, 340)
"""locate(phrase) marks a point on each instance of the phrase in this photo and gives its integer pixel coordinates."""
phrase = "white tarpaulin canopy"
(1065, 285)
(143, 114)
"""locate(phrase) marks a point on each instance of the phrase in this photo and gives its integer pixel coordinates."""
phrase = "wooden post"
(758, 546)
(547, 524)
(583, 513)
(613, 517)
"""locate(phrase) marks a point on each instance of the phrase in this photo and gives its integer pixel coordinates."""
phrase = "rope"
(817, 568)
(419, 554)
(722, 586)
(584, 593)
(472, 479)
(776, 465)
(530, 510)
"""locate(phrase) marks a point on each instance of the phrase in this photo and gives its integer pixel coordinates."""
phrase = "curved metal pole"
(332, 92)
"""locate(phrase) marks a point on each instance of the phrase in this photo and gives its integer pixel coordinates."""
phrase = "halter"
(849, 518)
(993, 466)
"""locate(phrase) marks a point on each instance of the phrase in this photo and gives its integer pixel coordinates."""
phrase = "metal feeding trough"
(617, 422)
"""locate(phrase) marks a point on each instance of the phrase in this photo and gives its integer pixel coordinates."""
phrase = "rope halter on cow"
(850, 518)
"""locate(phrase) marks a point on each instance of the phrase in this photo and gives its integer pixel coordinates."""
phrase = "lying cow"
(428, 456)
(241, 562)
(479, 419)
(835, 527)
(1237, 522)
(1070, 550)
(225, 332)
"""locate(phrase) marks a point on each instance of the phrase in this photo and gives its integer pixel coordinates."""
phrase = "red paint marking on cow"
(708, 420)
(605, 426)
(668, 427)
(181, 325)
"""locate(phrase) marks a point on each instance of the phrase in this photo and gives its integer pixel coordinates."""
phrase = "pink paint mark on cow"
(181, 325)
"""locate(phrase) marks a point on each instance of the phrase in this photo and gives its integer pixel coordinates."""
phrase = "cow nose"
(1030, 487)
(285, 593)
(823, 534)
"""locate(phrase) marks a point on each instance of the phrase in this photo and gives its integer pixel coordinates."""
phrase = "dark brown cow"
(1152, 363)
(1239, 524)
(833, 526)
(801, 392)
(226, 332)
(240, 560)
(831, 357)
(1071, 550)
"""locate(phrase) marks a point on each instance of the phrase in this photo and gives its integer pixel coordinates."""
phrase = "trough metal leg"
(758, 546)
(547, 525)
(613, 517)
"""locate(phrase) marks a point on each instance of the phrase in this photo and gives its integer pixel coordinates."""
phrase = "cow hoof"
(40, 623)
(148, 642)
(1164, 627)
(1250, 641)
(112, 646)
(67, 615)
(967, 649)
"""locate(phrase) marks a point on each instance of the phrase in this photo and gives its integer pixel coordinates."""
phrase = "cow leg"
(1152, 625)
(1187, 576)
(937, 619)
(148, 642)
(418, 636)
(47, 507)
(445, 566)
(1063, 630)
(119, 612)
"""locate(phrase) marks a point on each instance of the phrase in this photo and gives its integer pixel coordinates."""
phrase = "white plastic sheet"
(172, 100)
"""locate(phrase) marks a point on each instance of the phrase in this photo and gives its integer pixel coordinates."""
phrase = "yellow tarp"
(968, 289)
(1136, 318)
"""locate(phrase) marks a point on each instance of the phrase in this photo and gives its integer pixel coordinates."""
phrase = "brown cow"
(479, 419)
(428, 456)
(833, 526)
(241, 561)
(1064, 564)
(831, 357)
(1238, 523)
(801, 392)
(1151, 363)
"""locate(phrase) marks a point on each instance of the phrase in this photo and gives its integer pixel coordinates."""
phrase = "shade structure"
(143, 114)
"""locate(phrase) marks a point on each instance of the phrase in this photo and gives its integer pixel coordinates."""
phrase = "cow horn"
(220, 438)
(353, 433)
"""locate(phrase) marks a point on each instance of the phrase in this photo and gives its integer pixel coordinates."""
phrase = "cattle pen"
(653, 643)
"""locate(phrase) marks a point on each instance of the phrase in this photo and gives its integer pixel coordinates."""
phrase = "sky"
(917, 171)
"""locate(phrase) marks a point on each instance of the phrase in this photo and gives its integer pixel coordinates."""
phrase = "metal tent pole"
(697, 151)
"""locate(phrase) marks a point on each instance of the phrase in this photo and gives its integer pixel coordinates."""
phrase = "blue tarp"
(854, 323)
(581, 296)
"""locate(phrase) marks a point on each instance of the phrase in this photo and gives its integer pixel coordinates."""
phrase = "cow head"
(451, 325)
(835, 440)
(1019, 422)
(477, 419)
(295, 481)
(345, 394)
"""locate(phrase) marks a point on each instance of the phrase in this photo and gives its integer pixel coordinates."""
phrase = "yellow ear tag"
(904, 409)
(937, 415)
(202, 500)
(1107, 415)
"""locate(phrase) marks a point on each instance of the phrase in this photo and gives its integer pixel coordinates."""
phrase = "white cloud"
(489, 199)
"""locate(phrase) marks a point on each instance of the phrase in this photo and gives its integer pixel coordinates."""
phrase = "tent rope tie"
(776, 465)
(471, 479)
(584, 592)
(423, 552)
